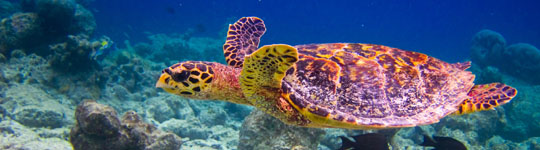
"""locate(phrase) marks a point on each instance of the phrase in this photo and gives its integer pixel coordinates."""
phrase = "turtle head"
(202, 80)
(189, 79)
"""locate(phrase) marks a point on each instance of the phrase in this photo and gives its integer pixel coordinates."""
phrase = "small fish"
(443, 143)
(370, 141)
(105, 48)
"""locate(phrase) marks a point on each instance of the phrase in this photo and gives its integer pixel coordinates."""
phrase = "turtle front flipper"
(265, 68)
(485, 97)
(242, 39)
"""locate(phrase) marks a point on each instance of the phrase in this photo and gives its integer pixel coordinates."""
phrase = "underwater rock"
(487, 47)
(3, 58)
(62, 17)
(213, 116)
(147, 136)
(39, 116)
(61, 133)
(27, 69)
(19, 31)
(521, 60)
(200, 144)
(159, 110)
(486, 122)
(532, 143)
(262, 131)
(524, 62)
(498, 143)
(199, 136)
(166, 106)
(35, 107)
(99, 128)
(83, 22)
(56, 15)
(516, 121)
(73, 54)
(210, 113)
(18, 137)
(191, 128)
(237, 111)
(48, 22)
(523, 115)
(131, 71)
(6, 9)
(97, 119)
(17, 53)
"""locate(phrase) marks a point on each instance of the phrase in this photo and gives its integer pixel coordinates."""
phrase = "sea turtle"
(336, 85)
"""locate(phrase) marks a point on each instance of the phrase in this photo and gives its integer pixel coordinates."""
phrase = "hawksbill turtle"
(335, 85)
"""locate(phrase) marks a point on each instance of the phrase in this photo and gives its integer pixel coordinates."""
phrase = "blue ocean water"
(442, 29)
(62, 61)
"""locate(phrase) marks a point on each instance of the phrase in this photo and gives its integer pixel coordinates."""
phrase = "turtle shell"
(373, 86)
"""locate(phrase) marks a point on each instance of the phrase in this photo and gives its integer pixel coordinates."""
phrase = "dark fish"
(370, 141)
(443, 143)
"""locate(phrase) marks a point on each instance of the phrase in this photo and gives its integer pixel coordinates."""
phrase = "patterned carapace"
(375, 85)
(338, 85)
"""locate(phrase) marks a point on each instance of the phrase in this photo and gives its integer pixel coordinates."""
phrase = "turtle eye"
(168, 71)
(179, 77)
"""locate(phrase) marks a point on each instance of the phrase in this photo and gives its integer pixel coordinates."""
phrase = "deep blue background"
(443, 29)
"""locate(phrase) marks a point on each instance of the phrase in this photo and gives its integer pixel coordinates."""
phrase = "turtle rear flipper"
(486, 96)
(265, 68)
(242, 39)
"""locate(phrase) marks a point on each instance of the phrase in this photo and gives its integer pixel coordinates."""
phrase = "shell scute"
(375, 85)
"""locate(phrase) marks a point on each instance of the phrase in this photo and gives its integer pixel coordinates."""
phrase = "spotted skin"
(266, 68)
(242, 39)
(187, 78)
(486, 97)
(203, 80)
(261, 78)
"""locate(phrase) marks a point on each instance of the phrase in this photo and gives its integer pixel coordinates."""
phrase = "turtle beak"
(161, 81)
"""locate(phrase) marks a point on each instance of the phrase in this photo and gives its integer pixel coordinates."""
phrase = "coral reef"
(59, 29)
(61, 17)
(34, 107)
(262, 131)
(18, 137)
(517, 65)
(487, 47)
(73, 54)
(98, 127)
(7, 8)
(19, 30)
(188, 121)
(520, 60)
(524, 62)
(57, 15)
(24, 97)
(523, 118)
